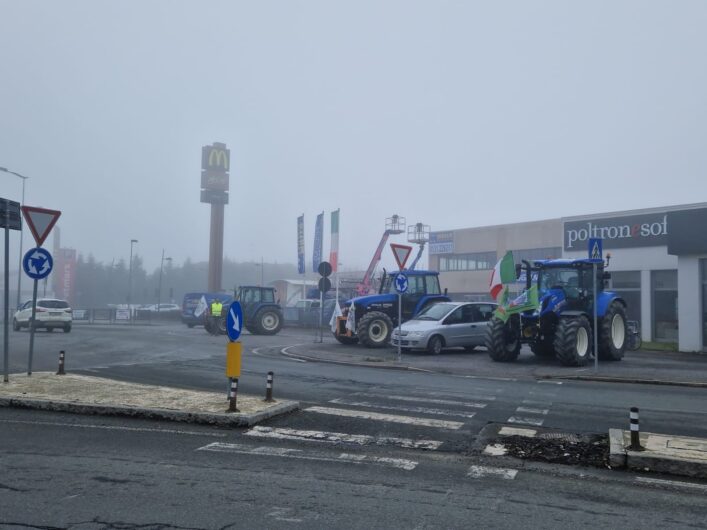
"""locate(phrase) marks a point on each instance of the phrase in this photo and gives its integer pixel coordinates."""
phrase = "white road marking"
(495, 450)
(529, 410)
(483, 471)
(284, 352)
(417, 410)
(537, 403)
(543, 381)
(447, 394)
(426, 400)
(409, 420)
(671, 483)
(218, 447)
(527, 421)
(515, 431)
(116, 428)
(337, 437)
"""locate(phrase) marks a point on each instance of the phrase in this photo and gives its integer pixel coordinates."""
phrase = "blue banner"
(300, 244)
(318, 242)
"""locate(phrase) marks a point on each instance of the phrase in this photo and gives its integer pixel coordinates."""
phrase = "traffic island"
(81, 394)
(676, 455)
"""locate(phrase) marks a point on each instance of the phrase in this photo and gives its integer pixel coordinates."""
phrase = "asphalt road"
(372, 448)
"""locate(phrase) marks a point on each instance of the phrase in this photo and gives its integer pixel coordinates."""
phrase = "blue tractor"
(376, 315)
(262, 315)
(562, 325)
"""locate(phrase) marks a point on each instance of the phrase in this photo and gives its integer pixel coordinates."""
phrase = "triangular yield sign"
(40, 221)
(400, 253)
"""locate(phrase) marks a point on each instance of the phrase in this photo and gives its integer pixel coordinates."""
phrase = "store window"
(665, 305)
(703, 266)
(627, 284)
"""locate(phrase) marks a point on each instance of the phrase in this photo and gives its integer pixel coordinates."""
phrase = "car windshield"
(435, 312)
(550, 278)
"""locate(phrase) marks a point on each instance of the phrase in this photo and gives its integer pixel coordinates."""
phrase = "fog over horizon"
(454, 114)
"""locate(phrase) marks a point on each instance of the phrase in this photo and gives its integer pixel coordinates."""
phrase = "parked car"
(446, 325)
(50, 314)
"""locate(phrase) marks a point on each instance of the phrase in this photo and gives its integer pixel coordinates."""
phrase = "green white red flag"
(334, 252)
(503, 273)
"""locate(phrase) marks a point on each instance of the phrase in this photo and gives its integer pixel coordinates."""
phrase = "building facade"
(658, 262)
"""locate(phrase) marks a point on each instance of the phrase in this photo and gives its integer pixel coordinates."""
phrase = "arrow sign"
(37, 263)
(234, 321)
(401, 253)
(40, 221)
(401, 283)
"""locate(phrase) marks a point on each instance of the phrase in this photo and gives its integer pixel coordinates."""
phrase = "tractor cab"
(262, 315)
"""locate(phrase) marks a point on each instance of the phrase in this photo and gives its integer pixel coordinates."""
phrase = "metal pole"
(19, 268)
(159, 287)
(321, 315)
(6, 323)
(262, 268)
(400, 324)
(596, 337)
(635, 431)
(32, 327)
(130, 278)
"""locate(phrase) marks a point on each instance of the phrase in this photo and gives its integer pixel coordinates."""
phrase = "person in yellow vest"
(215, 310)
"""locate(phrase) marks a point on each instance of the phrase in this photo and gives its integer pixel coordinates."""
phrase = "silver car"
(446, 325)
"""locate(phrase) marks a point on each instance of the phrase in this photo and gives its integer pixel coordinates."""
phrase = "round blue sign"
(401, 283)
(37, 263)
(234, 321)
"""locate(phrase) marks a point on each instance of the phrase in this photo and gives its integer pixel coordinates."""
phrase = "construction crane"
(420, 235)
(393, 225)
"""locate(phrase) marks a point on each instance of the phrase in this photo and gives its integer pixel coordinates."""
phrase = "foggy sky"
(452, 113)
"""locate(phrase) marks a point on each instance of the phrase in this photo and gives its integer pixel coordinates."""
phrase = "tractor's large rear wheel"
(573, 341)
(374, 329)
(612, 333)
(503, 339)
(267, 322)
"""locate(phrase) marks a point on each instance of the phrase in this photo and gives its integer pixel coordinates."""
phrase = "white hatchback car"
(51, 313)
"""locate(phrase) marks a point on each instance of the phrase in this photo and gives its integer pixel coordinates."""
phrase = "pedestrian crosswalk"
(396, 431)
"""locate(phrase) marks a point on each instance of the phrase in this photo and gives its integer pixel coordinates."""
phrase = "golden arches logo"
(218, 158)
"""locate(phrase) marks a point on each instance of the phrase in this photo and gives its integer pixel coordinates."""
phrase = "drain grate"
(560, 436)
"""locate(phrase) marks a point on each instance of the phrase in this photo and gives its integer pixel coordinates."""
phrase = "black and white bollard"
(635, 431)
(61, 363)
(233, 396)
(268, 387)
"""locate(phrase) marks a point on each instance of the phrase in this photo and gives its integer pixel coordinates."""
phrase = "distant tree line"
(99, 284)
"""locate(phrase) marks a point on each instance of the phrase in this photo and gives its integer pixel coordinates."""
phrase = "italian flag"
(503, 273)
(334, 252)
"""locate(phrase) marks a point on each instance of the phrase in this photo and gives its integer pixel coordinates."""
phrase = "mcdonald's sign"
(216, 158)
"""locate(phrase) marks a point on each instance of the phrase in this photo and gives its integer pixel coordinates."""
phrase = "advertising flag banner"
(334, 252)
(527, 301)
(300, 244)
(318, 242)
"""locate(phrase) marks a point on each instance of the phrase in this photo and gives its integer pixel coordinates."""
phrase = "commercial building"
(658, 262)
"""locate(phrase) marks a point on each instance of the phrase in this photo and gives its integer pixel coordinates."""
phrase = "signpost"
(325, 269)
(595, 253)
(37, 262)
(9, 220)
(234, 350)
(401, 285)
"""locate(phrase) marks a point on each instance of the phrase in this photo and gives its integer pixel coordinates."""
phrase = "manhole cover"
(560, 436)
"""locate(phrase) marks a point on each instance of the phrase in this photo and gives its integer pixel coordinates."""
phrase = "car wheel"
(67, 329)
(15, 325)
(469, 348)
(49, 329)
(190, 326)
(435, 345)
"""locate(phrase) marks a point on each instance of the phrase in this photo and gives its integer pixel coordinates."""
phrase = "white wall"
(689, 304)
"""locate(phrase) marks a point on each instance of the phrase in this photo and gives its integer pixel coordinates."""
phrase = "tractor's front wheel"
(612, 333)
(573, 341)
(374, 329)
(268, 322)
(503, 339)
(344, 339)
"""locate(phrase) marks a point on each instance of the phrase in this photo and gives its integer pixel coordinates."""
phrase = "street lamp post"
(130, 277)
(159, 288)
(19, 271)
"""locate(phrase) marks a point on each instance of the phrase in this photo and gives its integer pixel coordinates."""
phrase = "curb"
(631, 380)
(224, 420)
